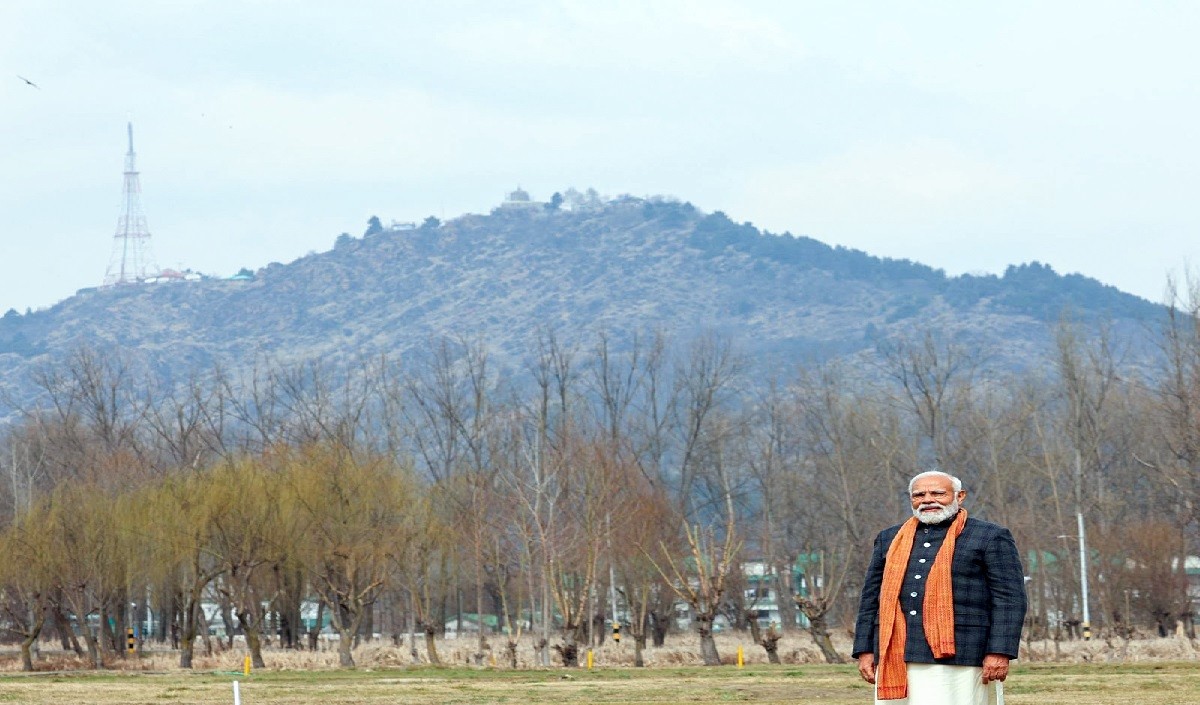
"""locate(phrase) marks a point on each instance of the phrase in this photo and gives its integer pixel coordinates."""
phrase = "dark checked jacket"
(989, 593)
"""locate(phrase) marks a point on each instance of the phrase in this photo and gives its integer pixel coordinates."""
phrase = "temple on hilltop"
(520, 200)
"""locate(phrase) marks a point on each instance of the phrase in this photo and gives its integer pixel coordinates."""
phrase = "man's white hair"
(954, 481)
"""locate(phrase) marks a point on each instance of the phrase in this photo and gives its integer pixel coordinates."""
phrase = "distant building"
(761, 595)
(519, 200)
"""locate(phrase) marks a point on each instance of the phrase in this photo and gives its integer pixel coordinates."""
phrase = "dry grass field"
(1165, 683)
(1151, 672)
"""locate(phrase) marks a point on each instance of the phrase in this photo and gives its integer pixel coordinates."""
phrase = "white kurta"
(939, 684)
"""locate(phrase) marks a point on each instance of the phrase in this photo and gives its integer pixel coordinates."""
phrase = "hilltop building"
(519, 200)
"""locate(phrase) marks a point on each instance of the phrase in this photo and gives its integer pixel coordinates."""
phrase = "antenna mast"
(131, 261)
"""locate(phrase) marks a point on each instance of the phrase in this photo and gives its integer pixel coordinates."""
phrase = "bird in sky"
(30, 82)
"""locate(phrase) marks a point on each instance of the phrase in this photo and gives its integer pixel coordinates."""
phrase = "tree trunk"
(37, 621)
(315, 633)
(204, 631)
(120, 617)
(367, 630)
(708, 647)
(482, 650)
(511, 649)
(139, 625)
(288, 638)
(27, 653)
(345, 646)
(187, 639)
(483, 645)
(659, 624)
(346, 619)
(176, 620)
(105, 637)
(817, 627)
(770, 644)
(93, 648)
(254, 643)
(65, 633)
(410, 628)
(769, 641)
(568, 651)
(227, 619)
(102, 639)
(431, 645)
(783, 592)
(166, 625)
(639, 644)
(253, 640)
(287, 606)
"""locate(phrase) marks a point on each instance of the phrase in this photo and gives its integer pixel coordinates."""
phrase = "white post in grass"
(237, 697)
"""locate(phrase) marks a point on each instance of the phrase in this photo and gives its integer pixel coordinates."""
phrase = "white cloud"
(965, 135)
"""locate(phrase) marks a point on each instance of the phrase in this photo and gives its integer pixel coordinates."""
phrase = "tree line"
(599, 483)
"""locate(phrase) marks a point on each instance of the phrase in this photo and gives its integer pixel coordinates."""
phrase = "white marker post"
(237, 697)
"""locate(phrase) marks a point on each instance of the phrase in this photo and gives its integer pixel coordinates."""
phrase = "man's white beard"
(946, 511)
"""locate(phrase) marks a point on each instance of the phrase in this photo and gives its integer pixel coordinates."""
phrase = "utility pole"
(612, 581)
(1083, 573)
(539, 480)
(131, 261)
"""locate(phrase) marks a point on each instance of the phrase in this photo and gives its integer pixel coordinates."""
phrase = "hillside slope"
(625, 266)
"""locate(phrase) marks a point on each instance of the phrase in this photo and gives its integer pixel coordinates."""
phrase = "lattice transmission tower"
(131, 261)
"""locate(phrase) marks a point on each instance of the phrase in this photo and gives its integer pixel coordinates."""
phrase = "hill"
(622, 266)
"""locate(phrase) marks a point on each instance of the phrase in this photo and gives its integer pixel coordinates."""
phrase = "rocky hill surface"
(622, 266)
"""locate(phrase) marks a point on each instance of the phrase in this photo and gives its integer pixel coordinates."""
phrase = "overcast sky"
(964, 135)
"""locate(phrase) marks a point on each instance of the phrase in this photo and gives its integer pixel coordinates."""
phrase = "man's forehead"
(933, 482)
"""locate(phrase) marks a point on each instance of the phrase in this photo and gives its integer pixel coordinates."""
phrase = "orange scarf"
(891, 676)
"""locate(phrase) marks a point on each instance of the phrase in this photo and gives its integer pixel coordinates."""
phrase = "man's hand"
(866, 667)
(995, 667)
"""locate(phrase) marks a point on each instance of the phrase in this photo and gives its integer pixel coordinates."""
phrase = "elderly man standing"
(942, 604)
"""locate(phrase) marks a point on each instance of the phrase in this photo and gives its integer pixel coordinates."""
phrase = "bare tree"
(187, 423)
(704, 385)
(701, 579)
(851, 460)
(23, 462)
(928, 372)
(645, 524)
(575, 539)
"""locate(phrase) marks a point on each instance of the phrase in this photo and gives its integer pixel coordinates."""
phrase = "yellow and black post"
(617, 632)
(130, 641)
